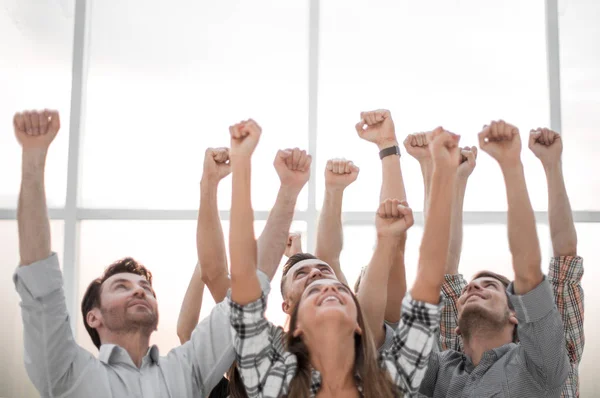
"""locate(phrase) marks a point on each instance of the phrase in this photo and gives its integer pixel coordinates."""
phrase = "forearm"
(426, 171)
(330, 233)
(191, 306)
(436, 236)
(245, 286)
(522, 233)
(272, 241)
(32, 213)
(456, 227)
(373, 294)
(562, 228)
(210, 241)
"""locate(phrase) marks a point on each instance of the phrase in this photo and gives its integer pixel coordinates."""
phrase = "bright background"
(144, 87)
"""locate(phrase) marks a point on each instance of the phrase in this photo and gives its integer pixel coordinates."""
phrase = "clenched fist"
(244, 138)
(468, 161)
(216, 164)
(417, 146)
(293, 168)
(394, 217)
(294, 244)
(377, 127)
(36, 129)
(339, 173)
(546, 145)
(444, 149)
(502, 142)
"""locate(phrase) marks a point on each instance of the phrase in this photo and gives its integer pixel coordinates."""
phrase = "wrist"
(337, 190)
(209, 182)
(554, 167)
(509, 168)
(289, 192)
(386, 143)
(386, 239)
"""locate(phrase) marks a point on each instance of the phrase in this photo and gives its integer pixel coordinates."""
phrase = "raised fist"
(293, 167)
(546, 145)
(444, 149)
(244, 138)
(339, 173)
(394, 217)
(377, 127)
(294, 244)
(468, 161)
(216, 164)
(417, 146)
(36, 129)
(502, 142)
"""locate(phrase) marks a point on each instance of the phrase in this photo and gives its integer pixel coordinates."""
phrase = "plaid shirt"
(267, 368)
(564, 275)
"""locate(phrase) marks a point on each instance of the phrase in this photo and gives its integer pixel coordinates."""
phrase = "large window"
(154, 85)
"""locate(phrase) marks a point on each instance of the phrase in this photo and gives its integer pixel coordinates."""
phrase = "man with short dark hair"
(488, 312)
(119, 309)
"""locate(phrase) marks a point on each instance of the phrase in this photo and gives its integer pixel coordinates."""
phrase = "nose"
(315, 273)
(139, 292)
(474, 285)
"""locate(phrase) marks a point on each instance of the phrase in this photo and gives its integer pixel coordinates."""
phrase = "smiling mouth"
(330, 299)
(474, 296)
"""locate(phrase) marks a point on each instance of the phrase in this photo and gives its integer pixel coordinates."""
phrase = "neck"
(136, 343)
(332, 358)
(482, 340)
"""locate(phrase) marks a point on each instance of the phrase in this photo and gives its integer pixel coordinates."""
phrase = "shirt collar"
(112, 353)
(315, 384)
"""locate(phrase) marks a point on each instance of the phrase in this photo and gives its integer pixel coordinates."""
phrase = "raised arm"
(35, 131)
(566, 268)
(380, 130)
(503, 142)
(392, 220)
(339, 174)
(293, 168)
(54, 360)
(245, 286)
(211, 269)
(436, 232)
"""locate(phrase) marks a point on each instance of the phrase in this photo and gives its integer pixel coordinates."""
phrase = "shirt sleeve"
(565, 275)
(541, 338)
(451, 290)
(210, 348)
(265, 367)
(406, 361)
(53, 360)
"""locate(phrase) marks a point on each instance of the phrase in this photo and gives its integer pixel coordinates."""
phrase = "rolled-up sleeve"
(451, 290)
(541, 337)
(53, 360)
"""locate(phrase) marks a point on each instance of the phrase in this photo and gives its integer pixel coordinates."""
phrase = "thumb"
(284, 154)
(534, 135)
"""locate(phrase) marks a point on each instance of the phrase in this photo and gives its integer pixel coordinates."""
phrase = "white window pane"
(580, 92)
(35, 73)
(168, 249)
(587, 235)
(163, 89)
(14, 381)
(456, 64)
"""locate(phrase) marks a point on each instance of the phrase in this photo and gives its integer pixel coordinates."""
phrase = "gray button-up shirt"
(536, 367)
(58, 367)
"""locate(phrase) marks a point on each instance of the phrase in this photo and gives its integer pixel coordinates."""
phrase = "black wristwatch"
(393, 150)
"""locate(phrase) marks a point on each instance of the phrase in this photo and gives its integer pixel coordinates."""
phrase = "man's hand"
(294, 244)
(546, 145)
(502, 142)
(394, 217)
(216, 164)
(468, 161)
(36, 129)
(244, 138)
(293, 168)
(379, 128)
(417, 146)
(339, 173)
(444, 149)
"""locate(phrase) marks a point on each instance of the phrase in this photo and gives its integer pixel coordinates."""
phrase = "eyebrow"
(123, 280)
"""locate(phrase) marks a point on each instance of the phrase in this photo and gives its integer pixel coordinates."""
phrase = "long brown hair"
(376, 382)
